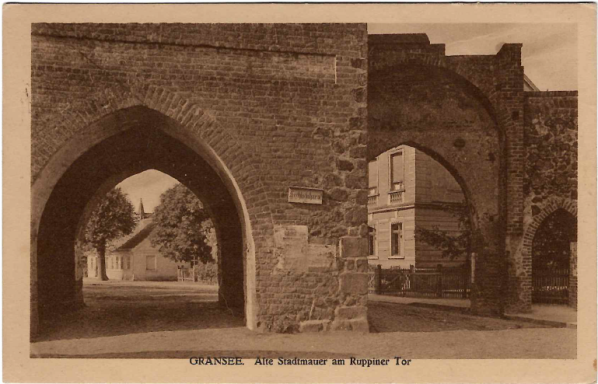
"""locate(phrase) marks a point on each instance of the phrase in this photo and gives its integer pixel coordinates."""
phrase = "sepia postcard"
(299, 193)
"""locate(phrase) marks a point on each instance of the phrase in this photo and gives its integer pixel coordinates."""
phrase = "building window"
(371, 241)
(373, 174)
(396, 240)
(150, 263)
(396, 172)
(373, 182)
(127, 260)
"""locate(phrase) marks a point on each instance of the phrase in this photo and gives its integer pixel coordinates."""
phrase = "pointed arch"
(551, 206)
(115, 112)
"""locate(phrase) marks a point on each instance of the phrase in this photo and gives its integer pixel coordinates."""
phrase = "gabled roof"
(142, 231)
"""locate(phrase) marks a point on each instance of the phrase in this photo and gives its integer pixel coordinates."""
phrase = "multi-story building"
(408, 190)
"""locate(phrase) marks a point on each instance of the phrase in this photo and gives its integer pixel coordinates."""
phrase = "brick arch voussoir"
(189, 116)
(550, 207)
(458, 71)
(442, 62)
(226, 146)
(67, 123)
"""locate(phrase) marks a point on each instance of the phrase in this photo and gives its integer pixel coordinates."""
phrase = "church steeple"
(141, 211)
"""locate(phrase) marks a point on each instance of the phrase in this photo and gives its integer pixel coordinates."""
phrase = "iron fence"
(447, 282)
(550, 285)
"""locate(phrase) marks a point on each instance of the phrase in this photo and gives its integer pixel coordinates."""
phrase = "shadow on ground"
(391, 317)
(123, 308)
(114, 310)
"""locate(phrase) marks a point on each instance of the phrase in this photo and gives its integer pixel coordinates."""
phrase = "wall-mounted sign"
(305, 195)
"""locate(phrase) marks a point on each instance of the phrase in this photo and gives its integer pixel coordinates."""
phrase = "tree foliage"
(113, 218)
(452, 246)
(182, 226)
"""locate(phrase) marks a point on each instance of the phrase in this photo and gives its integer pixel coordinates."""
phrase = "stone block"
(353, 247)
(361, 198)
(362, 265)
(344, 165)
(348, 313)
(314, 326)
(340, 325)
(360, 325)
(356, 325)
(356, 216)
(355, 181)
(339, 194)
(354, 283)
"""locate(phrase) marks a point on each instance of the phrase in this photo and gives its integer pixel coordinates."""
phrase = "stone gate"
(271, 125)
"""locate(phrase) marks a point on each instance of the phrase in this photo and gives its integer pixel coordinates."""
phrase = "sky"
(549, 56)
(148, 185)
(549, 53)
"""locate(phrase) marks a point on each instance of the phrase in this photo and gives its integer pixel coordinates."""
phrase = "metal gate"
(550, 285)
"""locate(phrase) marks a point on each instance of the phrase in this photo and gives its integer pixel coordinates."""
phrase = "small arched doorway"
(125, 143)
(551, 258)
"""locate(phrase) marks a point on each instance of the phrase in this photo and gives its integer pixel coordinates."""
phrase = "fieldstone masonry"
(550, 182)
(259, 108)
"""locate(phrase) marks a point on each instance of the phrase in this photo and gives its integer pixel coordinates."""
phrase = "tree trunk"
(102, 261)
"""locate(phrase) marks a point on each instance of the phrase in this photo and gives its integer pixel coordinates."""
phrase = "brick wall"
(280, 105)
(447, 108)
(550, 181)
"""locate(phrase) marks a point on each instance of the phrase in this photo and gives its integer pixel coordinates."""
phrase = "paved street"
(175, 320)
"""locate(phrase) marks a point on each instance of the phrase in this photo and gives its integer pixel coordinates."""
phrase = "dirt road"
(173, 320)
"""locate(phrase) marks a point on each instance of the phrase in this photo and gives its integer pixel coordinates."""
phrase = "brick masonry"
(471, 114)
(271, 106)
(279, 105)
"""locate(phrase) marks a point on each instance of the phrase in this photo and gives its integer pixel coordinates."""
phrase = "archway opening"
(449, 119)
(551, 258)
(420, 227)
(143, 140)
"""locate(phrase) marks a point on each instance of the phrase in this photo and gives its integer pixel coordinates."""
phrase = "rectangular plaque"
(305, 195)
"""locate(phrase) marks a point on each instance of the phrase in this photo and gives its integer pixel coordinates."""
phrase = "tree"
(452, 246)
(113, 218)
(182, 227)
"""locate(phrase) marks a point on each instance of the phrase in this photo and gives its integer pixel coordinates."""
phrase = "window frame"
(372, 243)
(155, 264)
(400, 240)
(377, 187)
(391, 182)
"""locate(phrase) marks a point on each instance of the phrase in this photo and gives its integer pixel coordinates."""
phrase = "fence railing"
(185, 274)
(448, 282)
(550, 285)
